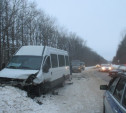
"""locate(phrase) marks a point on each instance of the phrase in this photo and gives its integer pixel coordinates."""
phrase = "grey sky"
(100, 22)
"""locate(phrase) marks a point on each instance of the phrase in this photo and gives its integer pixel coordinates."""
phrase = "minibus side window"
(67, 60)
(46, 65)
(61, 60)
(48, 61)
(54, 60)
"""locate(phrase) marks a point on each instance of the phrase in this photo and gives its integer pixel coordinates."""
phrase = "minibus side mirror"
(3, 65)
(103, 87)
(46, 68)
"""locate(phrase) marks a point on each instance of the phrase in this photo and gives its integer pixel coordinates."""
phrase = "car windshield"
(75, 64)
(25, 62)
(105, 65)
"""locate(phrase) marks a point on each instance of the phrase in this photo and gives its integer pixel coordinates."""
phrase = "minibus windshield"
(25, 62)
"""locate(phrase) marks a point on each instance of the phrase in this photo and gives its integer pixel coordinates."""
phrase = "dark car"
(114, 99)
(76, 67)
(120, 69)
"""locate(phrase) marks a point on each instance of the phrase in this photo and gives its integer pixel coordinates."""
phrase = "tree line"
(21, 23)
(120, 57)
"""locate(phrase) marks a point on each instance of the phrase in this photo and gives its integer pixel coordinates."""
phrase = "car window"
(112, 85)
(124, 99)
(119, 89)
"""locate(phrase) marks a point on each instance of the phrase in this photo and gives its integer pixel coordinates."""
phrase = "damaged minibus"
(36, 68)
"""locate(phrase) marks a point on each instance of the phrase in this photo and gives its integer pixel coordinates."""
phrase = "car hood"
(16, 73)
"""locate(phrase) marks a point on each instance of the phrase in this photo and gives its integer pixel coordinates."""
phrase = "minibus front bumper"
(14, 82)
(18, 82)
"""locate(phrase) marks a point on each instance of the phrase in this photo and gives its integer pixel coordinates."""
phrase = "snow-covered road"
(83, 96)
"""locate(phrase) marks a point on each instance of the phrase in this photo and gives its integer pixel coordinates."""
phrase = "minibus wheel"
(63, 82)
(38, 91)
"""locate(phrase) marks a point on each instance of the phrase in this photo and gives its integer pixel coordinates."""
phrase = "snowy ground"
(83, 96)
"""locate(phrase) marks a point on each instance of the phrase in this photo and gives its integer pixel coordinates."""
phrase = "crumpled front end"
(18, 82)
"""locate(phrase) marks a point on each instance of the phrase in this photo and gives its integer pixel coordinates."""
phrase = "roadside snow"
(83, 96)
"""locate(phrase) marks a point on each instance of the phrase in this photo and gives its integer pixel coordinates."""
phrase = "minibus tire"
(38, 91)
(63, 84)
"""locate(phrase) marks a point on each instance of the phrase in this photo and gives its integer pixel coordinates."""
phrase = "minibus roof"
(37, 50)
(30, 50)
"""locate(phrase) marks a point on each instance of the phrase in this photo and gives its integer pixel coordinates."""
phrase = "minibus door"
(46, 68)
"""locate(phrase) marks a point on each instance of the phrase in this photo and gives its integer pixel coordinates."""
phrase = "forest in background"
(120, 57)
(21, 23)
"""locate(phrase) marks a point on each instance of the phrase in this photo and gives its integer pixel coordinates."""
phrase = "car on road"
(105, 67)
(120, 69)
(114, 99)
(76, 67)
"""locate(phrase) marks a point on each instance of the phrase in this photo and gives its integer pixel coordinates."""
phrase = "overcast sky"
(102, 23)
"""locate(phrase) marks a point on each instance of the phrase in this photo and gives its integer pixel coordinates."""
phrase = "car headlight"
(110, 68)
(103, 68)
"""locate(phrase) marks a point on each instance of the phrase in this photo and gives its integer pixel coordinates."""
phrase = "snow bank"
(14, 100)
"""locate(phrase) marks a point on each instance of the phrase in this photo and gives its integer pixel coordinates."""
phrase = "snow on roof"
(37, 50)
(30, 50)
